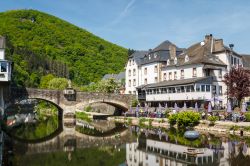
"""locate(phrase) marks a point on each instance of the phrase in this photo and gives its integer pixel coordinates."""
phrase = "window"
(129, 73)
(186, 58)
(198, 88)
(129, 92)
(214, 89)
(165, 76)
(168, 62)
(155, 55)
(134, 82)
(188, 89)
(170, 76)
(145, 71)
(133, 62)
(156, 69)
(175, 75)
(145, 81)
(175, 60)
(203, 88)
(156, 79)
(220, 73)
(134, 73)
(129, 62)
(194, 72)
(192, 88)
(182, 89)
(207, 88)
(129, 83)
(234, 61)
(182, 74)
(3, 66)
(220, 90)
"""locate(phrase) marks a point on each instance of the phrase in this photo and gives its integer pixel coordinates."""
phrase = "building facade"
(169, 75)
(5, 75)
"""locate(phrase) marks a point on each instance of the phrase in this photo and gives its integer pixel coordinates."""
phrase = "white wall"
(151, 74)
(2, 55)
(188, 71)
(133, 66)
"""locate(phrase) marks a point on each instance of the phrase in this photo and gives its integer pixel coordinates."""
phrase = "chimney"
(208, 38)
(218, 45)
(172, 51)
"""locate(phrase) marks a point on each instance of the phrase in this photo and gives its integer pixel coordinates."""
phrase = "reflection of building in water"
(157, 153)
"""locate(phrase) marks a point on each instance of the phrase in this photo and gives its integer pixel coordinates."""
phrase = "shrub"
(188, 118)
(213, 119)
(134, 103)
(172, 119)
(247, 116)
(234, 127)
(88, 108)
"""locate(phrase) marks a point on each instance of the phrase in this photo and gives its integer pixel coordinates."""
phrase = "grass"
(83, 116)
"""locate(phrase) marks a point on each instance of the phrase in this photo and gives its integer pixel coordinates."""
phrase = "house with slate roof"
(168, 74)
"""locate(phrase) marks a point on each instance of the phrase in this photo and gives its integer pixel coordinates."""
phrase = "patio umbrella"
(196, 107)
(229, 108)
(243, 107)
(209, 108)
(159, 107)
(185, 106)
(175, 107)
(137, 110)
(166, 106)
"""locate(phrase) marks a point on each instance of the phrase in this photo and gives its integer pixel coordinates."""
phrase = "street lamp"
(214, 93)
(231, 63)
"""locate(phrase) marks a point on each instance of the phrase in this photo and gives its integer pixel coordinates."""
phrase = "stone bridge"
(76, 100)
(69, 101)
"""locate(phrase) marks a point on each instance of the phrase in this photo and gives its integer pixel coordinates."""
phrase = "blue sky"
(143, 24)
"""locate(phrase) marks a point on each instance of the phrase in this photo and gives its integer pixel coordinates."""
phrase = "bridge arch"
(117, 104)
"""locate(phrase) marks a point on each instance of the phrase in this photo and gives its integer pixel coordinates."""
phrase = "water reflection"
(151, 150)
(134, 147)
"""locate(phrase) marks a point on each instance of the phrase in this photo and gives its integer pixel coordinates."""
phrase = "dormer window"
(168, 62)
(186, 58)
(155, 55)
(175, 60)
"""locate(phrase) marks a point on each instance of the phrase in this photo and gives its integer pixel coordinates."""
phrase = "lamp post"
(230, 66)
(214, 93)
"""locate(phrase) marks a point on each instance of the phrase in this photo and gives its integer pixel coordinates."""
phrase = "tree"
(107, 86)
(45, 81)
(238, 83)
(58, 83)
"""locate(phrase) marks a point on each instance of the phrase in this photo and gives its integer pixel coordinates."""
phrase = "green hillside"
(40, 44)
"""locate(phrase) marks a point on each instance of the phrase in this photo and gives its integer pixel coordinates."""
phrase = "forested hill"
(40, 43)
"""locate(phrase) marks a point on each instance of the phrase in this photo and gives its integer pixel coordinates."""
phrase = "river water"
(106, 143)
(133, 146)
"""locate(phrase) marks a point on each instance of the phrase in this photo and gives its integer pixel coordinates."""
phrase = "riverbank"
(219, 127)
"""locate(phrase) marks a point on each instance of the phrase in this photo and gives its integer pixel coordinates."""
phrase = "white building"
(5, 66)
(168, 74)
(157, 153)
(5, 73)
